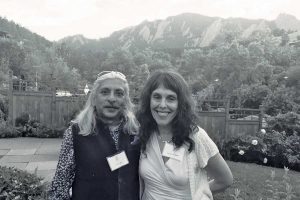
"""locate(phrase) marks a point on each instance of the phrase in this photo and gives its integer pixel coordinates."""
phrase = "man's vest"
(93, 178)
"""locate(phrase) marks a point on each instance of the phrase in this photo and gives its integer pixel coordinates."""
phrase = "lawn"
(252, 181)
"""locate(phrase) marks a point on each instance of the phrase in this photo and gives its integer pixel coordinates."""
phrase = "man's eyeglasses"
(111, 74)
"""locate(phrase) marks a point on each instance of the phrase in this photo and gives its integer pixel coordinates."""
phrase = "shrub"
(282, 100)
(245, 149)
(274, 153)
(272, 148)
(22, 120)
(8, 131)
(291, 153)
(3, 107)
(250, 96)
(18, 184)
(2, 115)
(43, 131)
(33, 128)
(288, 122)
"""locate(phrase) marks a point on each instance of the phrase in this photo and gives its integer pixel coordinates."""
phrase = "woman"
(177, 155)
(100, 154)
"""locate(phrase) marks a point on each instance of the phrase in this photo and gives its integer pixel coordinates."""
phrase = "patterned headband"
(111, 74)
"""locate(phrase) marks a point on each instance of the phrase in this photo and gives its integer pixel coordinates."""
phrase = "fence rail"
(244, 114)
(47, 106)
(224, 123)
(43, 102)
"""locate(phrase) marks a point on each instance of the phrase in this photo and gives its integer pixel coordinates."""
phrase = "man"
(100, 154)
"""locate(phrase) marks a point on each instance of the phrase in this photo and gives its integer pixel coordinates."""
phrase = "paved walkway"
(31, 154)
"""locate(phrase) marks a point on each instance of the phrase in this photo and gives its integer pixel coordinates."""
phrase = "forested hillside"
(23, 35)
(252, 62)
(31, 57)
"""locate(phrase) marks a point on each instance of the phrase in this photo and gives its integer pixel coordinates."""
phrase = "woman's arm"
(65, 171)
(219, 172)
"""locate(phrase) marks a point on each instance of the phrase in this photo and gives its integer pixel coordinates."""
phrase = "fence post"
(10, 99)
(226, 118)
(20, 84)
(260, 116)
(53, 103)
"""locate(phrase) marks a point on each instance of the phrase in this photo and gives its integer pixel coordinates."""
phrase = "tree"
(4, 69)
(55, 71)
(87, 61)
(293, 77)
(13, 54)
(256, 52)
(139, 59)
(233, 69)
(282, 56)
(120, 60)
(250, 96)
(193, 63)
(282, 100)
(284, 39)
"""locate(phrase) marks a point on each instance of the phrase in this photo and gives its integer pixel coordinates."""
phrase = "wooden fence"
(43, 105)
(223, 123)
(215, 116)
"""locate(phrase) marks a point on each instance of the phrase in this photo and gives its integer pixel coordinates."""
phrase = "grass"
(252, 179)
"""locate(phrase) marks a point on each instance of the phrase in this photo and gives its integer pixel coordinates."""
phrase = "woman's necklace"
(163, 140)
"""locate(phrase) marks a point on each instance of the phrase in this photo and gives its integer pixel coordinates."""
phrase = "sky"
(94, 19)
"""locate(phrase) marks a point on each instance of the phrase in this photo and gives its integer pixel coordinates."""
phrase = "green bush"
(33, 128)
(282, 100)
(247, 148)
(8, 131)
(288, 122)
(43, 131)
(22, 120)
(292, 151)
(18, 184)
(3, 107)
(272, 148)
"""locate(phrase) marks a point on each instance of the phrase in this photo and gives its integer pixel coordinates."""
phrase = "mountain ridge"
(186, 30)
(190, 30)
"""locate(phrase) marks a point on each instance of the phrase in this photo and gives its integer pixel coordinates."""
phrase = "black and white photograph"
(149, 100)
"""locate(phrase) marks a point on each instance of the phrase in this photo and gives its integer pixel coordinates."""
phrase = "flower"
(263, 131)
(241, 152)
(237, 192)
(272, 174)
(286, 169)
(254, 142)
(265, 160)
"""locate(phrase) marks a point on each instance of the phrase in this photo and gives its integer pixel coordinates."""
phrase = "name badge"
(118, 160)
(171, 152)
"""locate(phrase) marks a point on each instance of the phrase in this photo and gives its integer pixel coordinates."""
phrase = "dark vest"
(93, 178)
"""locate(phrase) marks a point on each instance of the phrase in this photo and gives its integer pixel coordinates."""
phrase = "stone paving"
(31, 154)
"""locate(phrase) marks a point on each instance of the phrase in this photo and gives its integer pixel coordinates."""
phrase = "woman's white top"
(163, 181)
(174, 179)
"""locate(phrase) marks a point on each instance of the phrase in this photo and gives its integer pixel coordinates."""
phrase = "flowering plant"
(254, 142)
(18, 184)
(270, 148)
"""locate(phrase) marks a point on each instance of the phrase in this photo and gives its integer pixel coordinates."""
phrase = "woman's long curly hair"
(184, 122)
